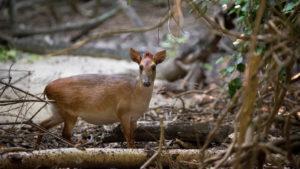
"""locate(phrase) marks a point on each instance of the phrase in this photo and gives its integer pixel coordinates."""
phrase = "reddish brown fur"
(102, 99)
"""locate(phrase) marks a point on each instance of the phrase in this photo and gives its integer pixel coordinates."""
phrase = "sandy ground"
(47, 69)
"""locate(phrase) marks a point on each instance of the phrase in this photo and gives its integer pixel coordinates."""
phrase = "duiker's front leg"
(128, 128)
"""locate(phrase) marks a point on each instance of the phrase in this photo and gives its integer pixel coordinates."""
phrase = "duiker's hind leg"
(52, 121)
(69, 123)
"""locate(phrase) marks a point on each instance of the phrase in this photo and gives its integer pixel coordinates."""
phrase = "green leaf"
(203, 11)
(12, 53)
(221, 2)
(241, 67)
(234, 10)
(219, 60)
(229, 57)
(248, 31)
(233, 86)
(231, 90)
(2, 48)
(239, 2)
(9, 55)
(169, 37)
(208, 66)
(288, 7)
(182, 39)
(223, 72)
(172, 53)
(165, 44)
(240, 19)
(3, 57)
(259, 50)
(230, 69)
(128, 2)
(237, 82)
(245, 7)
(191, 10)
(224, 84)
(239, 60)
(200, 2)
(31, 58)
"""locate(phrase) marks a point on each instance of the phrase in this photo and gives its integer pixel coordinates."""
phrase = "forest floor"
(47, 69)
(44, 69)
(31, 73)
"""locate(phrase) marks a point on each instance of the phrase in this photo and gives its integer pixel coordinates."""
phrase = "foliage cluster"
(265, 52)
(13, 55)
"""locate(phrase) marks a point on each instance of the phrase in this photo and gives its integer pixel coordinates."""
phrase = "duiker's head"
(147, 65)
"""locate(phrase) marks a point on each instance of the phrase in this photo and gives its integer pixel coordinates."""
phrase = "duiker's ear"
(160, 56)
(135, 56)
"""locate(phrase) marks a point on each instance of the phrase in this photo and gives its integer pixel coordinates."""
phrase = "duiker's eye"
(141, 67)
(153, 67)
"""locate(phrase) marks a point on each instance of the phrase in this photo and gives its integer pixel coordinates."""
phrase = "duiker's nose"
(146, 83)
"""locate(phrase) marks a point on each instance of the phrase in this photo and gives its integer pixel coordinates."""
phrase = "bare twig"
(16, 101)
(158, 152)
(40, 128)
(27, 93)
(219, 121)
(103, 34)
(37, 111)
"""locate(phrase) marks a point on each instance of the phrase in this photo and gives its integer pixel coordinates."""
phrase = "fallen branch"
(28, 45)
(67, 27)
(93, 157)
(21, 90)
(185, 131)
(120, 31)
(89, 28)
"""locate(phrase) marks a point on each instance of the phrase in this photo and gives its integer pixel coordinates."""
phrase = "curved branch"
(68, 27)
(120, 31)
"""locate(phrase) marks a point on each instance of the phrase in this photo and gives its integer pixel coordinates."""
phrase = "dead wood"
(94, 158)
(74, 26)
(12, 13)
(119, 31)
(29, 45)
(189, 63)
(170, 71)
(185, 131)
(75, 7)
(133, 16)
(28, 3)
(89, 28)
